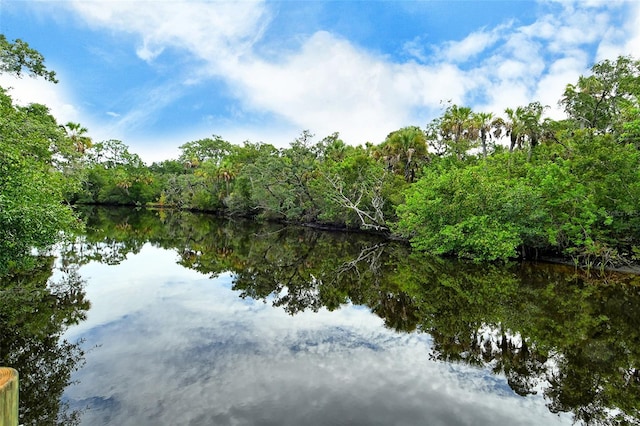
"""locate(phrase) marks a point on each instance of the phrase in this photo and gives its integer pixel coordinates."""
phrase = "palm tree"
(335, 148)
(404, 151)
(458, 129)
(226, 173)
(514, 127)
(525, 126)
(485, 122)
(76, 133)
(531, 116)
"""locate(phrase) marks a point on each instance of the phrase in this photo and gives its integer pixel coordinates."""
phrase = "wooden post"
(8, 397)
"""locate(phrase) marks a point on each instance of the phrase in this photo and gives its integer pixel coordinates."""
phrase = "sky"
(157, 74)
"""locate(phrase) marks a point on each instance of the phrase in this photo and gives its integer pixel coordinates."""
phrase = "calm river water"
(195, 320)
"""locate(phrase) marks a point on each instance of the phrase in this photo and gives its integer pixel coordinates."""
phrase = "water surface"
(200, 321)
(175, 347)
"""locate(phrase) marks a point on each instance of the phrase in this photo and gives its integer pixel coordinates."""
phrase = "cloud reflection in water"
(173, 347)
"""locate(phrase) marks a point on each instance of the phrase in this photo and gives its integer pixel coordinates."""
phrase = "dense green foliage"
(35, 159)
(18, 56)
(571, 187)
(110, 174)
(579, 197)
(32, 160)
(326, 182)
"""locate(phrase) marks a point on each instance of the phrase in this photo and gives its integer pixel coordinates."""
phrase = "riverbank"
(621, 265)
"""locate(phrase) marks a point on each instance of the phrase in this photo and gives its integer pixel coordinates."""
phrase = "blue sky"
(157, 74)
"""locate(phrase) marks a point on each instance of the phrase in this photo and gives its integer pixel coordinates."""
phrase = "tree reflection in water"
(34, 313)
(547, 328)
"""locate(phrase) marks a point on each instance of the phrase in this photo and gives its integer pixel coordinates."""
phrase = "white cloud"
(327, 85)
(551, 86)
(535, 62)
(622, 40)
(222, 30)
(330, 84)
(28, 90)
(471, 46)
(209, 357)
(632, 44)
(415, 49)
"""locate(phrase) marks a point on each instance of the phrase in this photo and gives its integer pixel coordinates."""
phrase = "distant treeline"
(470, 184)
(569, 187)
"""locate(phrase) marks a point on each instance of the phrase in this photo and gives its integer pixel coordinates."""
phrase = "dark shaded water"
(195, 320)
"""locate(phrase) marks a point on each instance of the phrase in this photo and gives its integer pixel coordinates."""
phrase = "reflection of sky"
(169, 346)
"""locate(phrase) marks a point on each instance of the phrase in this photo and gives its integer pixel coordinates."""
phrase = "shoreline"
(630, 268)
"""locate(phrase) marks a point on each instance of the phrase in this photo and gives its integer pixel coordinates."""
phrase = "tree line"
(471, 184)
